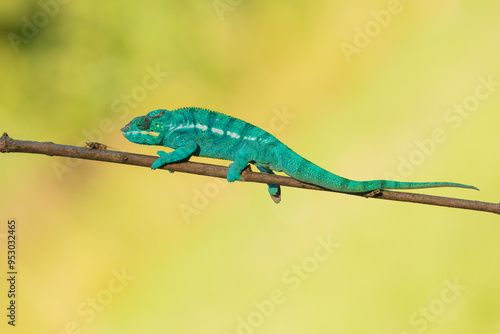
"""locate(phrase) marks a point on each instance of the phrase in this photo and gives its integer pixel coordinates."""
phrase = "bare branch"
(8, 144)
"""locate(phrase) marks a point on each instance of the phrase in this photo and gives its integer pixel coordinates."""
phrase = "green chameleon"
(205, 133)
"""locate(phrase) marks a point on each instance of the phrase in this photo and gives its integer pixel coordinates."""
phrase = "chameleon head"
(148, 129)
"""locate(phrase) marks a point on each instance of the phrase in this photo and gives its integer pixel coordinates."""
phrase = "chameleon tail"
(308, 172)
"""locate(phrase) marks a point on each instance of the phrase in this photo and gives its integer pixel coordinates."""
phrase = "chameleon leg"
(179, 154)
(235, 168)
(274, 189)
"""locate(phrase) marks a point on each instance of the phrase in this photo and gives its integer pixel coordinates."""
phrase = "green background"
(207, 257)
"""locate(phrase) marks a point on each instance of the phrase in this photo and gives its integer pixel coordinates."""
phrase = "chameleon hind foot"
(275, 192)
(235, 170)
(273, 189)
(233, 174)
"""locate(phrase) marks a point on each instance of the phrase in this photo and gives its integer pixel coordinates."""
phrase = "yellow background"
(357, 115)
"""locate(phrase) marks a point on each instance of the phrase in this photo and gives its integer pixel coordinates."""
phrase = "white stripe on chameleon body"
(202, 127)
(217, 131)
(149, 133)
(182, 126)
(233, 135)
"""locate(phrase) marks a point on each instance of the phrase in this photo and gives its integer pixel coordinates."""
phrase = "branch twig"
(8, 144)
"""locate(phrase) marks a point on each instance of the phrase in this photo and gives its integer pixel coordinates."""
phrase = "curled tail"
(308, 172)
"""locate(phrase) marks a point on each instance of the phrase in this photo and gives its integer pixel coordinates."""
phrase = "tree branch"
(8, 144)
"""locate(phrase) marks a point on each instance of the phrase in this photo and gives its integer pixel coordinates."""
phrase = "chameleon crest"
(206, 133)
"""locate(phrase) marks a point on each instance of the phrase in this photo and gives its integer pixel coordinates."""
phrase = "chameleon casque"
(205, 133)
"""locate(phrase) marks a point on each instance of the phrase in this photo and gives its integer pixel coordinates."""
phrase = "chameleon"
(202, 132)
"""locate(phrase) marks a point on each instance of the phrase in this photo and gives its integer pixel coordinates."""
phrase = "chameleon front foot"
(161, 161)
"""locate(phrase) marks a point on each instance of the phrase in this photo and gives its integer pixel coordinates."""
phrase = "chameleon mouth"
(125, 128)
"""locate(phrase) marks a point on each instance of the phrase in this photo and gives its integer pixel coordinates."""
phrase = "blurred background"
(408, 90)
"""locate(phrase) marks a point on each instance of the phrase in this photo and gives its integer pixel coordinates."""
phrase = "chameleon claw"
(276, 199)
(157, 164)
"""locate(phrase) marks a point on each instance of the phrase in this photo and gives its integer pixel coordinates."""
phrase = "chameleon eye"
(144, 123)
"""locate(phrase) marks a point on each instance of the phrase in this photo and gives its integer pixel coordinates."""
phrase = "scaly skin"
(206, 133)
